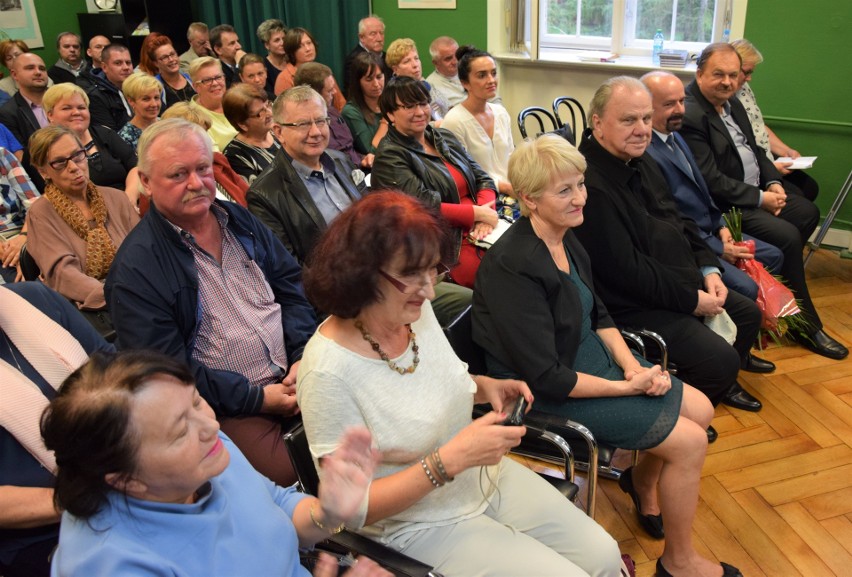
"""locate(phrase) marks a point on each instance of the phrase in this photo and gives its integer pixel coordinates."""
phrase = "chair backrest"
(29, 268)
(460, 335)
(539, 114)
(296, 442)
(575, 109)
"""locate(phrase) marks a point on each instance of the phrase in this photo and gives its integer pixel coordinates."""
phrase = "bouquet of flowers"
(776, 302)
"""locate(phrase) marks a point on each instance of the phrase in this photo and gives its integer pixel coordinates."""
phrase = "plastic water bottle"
(658, 47)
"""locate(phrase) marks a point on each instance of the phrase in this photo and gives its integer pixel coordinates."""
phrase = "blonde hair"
(747, 51)
(398, 50)
(43, 139)
(535, 163)
(61, 91)
(200, 63)
(189, 111)
(139, 84)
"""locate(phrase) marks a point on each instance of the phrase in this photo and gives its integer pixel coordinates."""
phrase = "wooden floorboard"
(776, 488)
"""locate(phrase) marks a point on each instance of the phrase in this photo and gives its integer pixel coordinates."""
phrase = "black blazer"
(279, 198)
(716, 154)
(528, 314)
(17, 116)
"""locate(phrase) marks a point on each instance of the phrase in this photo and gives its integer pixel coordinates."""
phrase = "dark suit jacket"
(689, 190)
(279, 198)
(716, 154)
(59, 75)
(105, 105)
(528, 314)
(17, 116)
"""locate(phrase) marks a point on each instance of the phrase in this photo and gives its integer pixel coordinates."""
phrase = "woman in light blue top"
(151, 487)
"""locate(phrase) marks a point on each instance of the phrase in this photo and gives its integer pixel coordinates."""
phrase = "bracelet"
(429, 473)
(333, 531)
(442, 472)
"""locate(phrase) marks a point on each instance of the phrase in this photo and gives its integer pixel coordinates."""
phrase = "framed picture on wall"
(424, 4)
(18, 19)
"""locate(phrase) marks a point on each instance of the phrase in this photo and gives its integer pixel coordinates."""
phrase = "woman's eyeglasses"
(78, 157)
(412, 283)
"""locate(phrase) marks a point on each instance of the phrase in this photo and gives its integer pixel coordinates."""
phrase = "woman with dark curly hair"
(443, 492)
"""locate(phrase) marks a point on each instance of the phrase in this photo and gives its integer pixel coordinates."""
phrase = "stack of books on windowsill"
(674, 58)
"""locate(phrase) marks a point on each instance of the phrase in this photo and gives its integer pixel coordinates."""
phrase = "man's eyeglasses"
(78, 158)
(416, 105)
(412, 283)
(212, 79)
(305, 125)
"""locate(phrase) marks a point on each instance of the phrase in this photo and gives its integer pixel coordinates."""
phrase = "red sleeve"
(458, 215)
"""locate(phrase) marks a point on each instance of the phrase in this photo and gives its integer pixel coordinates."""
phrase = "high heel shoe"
(652, 524)
(727, 570)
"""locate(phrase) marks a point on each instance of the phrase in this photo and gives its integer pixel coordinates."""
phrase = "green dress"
(634, 422)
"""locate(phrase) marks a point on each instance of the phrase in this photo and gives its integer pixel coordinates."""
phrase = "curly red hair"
(147, 56)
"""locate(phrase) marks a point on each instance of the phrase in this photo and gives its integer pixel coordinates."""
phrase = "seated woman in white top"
(483, 127)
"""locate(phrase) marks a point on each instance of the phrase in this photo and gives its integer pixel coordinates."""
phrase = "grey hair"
(440, 41)
(174, 130)
(362, 23)
(297, 94)
(605, 90)
(268, 27)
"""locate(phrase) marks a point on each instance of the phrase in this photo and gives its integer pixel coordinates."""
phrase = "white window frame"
(622, 41)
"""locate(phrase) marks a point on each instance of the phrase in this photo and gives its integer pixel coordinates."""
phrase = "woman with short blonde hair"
(144, 95)
(404, 60)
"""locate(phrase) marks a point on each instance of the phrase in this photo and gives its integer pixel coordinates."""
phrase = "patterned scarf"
(100, 249)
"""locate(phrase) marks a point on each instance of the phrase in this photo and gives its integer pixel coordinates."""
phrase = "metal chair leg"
(829, 218)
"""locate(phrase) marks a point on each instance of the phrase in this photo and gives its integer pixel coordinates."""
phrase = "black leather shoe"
(822, 344)
(653, 524)
(727, 570)
(755, 365)
(739, 398)
(712, 435)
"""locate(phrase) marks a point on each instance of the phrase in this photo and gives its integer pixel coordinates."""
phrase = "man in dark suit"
(226, 45)
(371, 39)
(738, 173)
(689, 189)
(23, 114)
(650, 266)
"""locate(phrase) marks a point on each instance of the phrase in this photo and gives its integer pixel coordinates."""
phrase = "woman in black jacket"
(432, 165)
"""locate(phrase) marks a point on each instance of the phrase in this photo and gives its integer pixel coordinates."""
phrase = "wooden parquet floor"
(776, 488)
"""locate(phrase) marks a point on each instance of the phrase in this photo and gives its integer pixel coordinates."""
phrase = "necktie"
(680, 157)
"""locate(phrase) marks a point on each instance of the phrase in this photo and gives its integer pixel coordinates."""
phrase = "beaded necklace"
(384, 356)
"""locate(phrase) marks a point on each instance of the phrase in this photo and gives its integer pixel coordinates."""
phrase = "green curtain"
(333, 23)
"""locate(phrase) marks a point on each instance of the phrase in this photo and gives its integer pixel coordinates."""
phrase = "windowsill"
(571, 59)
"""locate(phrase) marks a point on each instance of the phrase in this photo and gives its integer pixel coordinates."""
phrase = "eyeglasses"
(212, 79)
(265, 109)
(78, 158)
(412, 283)
(166, 57)
(305, 125)
(416, 105)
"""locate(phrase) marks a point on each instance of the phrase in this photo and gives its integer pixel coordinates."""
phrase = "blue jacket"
(152, 291)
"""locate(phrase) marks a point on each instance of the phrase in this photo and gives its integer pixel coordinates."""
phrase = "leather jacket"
(401, 163)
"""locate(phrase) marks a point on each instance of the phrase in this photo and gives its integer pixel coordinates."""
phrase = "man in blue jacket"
(205, 281)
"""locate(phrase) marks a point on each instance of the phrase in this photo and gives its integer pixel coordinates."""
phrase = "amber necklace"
(384, 356)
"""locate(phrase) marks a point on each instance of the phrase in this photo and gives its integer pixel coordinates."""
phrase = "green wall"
(807, 74)
(467, 24)
(55, 16)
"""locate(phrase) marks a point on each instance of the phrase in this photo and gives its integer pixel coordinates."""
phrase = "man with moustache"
(204, 281)
(690, 191)
(107, 104)
(71, 62)
(739, 174)
(650, 266)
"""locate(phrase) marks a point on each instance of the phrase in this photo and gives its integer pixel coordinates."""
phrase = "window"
(628, 26)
